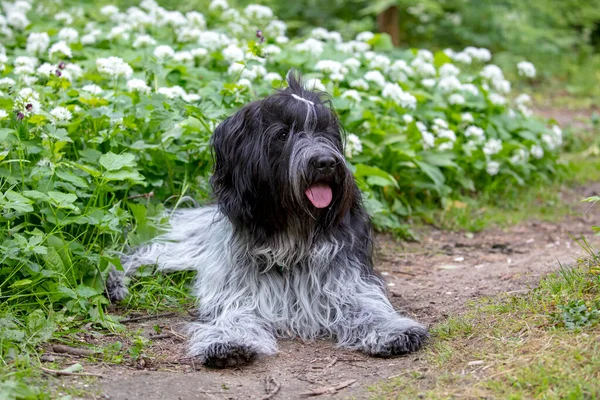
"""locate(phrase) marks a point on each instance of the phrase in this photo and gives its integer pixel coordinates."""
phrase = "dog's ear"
(236, 143)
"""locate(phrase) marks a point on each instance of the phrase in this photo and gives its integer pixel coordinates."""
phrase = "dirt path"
(427, 280)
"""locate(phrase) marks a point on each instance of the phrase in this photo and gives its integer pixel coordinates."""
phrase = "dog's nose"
(324, 163)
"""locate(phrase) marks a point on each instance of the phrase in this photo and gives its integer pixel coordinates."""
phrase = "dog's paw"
(227, 355)
(408, 341)
(116, 288)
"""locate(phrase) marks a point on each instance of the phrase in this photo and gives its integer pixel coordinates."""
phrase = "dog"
(286, 251)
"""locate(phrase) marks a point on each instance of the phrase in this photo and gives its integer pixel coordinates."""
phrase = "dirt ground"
(428, 281)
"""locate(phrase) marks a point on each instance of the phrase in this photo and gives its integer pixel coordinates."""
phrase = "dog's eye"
(283, 136)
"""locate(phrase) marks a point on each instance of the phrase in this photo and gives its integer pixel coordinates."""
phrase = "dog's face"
(279, 163)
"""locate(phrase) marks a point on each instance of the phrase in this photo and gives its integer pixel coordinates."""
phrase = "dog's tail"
(183, 247)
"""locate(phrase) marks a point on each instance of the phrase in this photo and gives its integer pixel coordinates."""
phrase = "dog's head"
(279, 163)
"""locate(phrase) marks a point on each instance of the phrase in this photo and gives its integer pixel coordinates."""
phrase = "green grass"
(543, 344)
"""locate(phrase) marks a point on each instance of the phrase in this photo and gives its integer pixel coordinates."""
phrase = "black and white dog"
(287, 249)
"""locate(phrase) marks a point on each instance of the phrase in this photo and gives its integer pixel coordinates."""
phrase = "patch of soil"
(428, 281)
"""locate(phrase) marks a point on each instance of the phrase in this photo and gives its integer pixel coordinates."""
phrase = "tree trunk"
(388, 22)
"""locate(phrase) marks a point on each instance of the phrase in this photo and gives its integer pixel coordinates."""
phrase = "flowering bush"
(101, 109)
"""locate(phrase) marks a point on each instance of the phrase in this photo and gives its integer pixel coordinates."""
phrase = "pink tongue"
(319, 195)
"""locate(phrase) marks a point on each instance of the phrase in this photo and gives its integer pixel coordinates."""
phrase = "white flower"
(480, 54)
(395, 93)
(163, 52)
(537, 151)
(519, 157)
(440, 123)
(315, 84)
(526, 69)
(93, 89)
(523, 98)
(428, 139)
(470, 88)
(114, 67)
(272, 49)
(7, 82)
(233, 53)
(423, 68)
(447, 134)
(276, 28)
(446, 146)
(475, 131)
(61, 48)
(492, 167)
(467, 117)
(138, 85)
(497, 99)
(46, 69)
(376, 77)
(72, 71)
(282, 39)
(88, 39)
(69, 35)
(213, 41)
(449, 70)
(492, 72)
(492, 146)
(456, 99)
(183, 57)
(61, 114)
(425, 55)
(365, 36)
(449, 84)
(462, 57)
(245, 82)
(330, 67)
(17, 20)
(272, 76)
(351, 94)
(421, 126)
(256, 11)
(27, 102)
(218, 4)
(380, 62)
(38, 42)
(324, 34)
(109, 10)
(235, 68)
(64, 17)
(428, 83)
(312, 46)
(199, 52)
(172, 92)
(353, 145)
(253, 72)
(407, 118)
(3, 114)
(119, 31)
(3, 60)
(360, 84)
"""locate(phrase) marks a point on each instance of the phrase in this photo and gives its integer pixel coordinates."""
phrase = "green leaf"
(17, 202)
(22, 282)
(85, 291)
(432, 172)
(365, 171)
(63, 200)
(114, 162)
(124, 175)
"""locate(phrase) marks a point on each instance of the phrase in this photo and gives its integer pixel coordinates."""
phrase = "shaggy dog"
(287, 249)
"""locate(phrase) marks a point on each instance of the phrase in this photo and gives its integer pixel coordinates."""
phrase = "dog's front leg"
(371, 324)
(234, 338)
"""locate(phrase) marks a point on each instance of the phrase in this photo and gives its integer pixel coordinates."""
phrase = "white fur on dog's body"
(246, 302)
